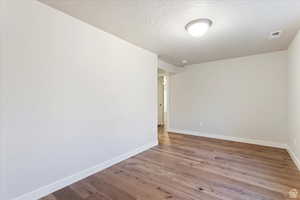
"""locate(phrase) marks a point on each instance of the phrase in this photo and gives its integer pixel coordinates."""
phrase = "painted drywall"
(158, 25)
(294, 95)
(236, 98)
(169, 68)
(2, 11)
(73, 96)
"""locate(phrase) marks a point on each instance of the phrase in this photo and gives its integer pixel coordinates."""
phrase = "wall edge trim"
(294, 157)
(230, 138)
(48, 189)
(243, 140)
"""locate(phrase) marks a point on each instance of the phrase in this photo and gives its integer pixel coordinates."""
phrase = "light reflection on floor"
(163, 136)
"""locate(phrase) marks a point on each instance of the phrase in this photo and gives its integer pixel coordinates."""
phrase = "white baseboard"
(294, 157)
(230, 138)
(235, 139)
(48, 189)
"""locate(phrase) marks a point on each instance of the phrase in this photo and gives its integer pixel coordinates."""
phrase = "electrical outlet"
(200, 124)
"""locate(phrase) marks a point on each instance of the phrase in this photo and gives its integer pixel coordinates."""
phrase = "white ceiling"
(241, 27)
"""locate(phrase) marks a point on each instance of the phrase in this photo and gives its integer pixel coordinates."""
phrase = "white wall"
(72, 96)
(169, 68)
(242, 97)
(294, 95)
(2, 11)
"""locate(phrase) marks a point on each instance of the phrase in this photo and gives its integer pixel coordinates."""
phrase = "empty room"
(150, 100)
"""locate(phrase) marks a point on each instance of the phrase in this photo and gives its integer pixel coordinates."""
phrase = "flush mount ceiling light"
(198, 27)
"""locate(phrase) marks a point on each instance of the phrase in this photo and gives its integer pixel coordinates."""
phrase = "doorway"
(162, 95)
(162, 105)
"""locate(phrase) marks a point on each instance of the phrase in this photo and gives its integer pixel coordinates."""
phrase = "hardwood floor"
(185, 167)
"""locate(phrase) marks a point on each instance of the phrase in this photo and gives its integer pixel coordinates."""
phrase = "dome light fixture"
(198, 27)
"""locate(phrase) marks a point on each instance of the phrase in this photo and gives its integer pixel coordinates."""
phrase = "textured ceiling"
(241, 27)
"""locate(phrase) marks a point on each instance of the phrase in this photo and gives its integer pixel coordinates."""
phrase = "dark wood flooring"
(186, 167)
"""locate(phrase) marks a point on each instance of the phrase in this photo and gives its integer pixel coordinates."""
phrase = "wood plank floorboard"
(184, 167)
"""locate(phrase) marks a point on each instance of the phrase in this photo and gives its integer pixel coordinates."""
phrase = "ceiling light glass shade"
(198, 27)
